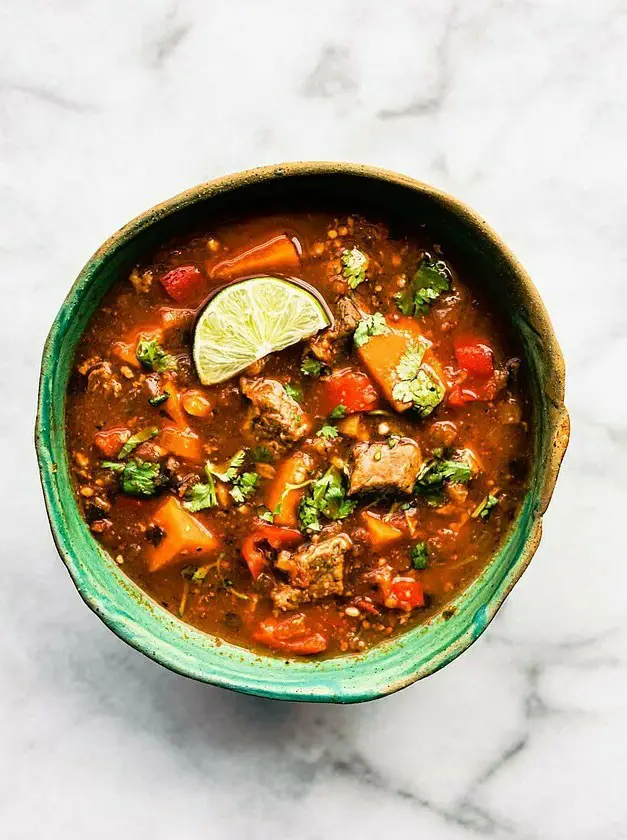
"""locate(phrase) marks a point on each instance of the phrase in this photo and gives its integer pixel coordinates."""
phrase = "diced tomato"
(183, 283)
(405, 594)
(278, 254)
(290, 635)
(275, 537)
(110, 441)
(475, 356)
(350, 388)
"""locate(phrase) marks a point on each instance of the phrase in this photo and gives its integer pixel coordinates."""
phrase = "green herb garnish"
(354, 265)
(134, 441)
(137, 477)
(152, 355)
(311, 367)
(294, 391)
(159, 399)
(261, 454)
(483, 509)
(429, 282)
(369, 326)
(419, 555)
(232, 470)
(416, 385)
(244, 486)
(338, 412)
(202, 495)
(327, 432)
(327, 498)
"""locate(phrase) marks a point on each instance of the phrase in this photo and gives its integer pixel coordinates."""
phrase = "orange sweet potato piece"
(381, 533)
(293, 470)
(181, 442)
(278, 254)
(185, 539)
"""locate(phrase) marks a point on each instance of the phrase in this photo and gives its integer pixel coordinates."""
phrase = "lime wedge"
(245, 321)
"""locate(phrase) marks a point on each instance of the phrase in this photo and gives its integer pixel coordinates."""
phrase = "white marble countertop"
(520, 108)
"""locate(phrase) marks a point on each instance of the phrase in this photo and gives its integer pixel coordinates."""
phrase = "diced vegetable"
(196, 403)
(338, 412)
(350, 388)
(354, 427)
(183, 283)
(381, 533)
(110, 441)
(405, 594)
(404, 368)
(290, 635)
(182, 537)
(277, 538)
(278, 254)
(327, 431)
(294, 391)
(475, 356)
(181, 442)
(287, 489)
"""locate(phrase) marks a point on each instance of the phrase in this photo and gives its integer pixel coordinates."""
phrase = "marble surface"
(520, 108)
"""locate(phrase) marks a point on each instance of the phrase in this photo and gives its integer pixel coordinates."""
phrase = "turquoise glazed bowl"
(393, 664)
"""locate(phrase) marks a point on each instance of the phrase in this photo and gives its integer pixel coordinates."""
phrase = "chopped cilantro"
(134, 441)
(202, 495)
(140, 478)
(266, 515)
(311, 367)
(415, 385)
(327, 432)
(354, 265)
(152, 355)
(327, 498)
(112, 465)
(261, 454)
(436, 471)
(419, 555)
(369, 326)
(429, 282)
(159, 399)
(293, 391)
(232, 470)
(483, 509)
(338, 412)
(244, 486)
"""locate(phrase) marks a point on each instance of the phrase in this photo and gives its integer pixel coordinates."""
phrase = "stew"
(331, 493)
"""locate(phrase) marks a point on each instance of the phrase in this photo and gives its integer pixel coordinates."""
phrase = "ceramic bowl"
(396, 663)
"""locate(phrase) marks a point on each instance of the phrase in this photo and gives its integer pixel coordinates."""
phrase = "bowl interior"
(139, 620)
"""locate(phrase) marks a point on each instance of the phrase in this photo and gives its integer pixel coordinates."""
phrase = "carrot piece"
(277, 254)
(185, 539)
(196, 403)
(381, 533)
(293, 470)
(382, 353)
(181, 442)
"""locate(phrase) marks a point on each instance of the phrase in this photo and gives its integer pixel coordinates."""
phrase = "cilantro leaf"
(232, 470)
(244, 486)
(338, 412)
(415, 385)
(112, 465)
(327, 432)
(134, 441)
(327, 498)
(261, 454)
(354, 265)
(436, 471)
(369, 326)
(202, 495)
(419, 555)
(152, 355)
(141, 478)
(483, 509)
(294, 391)
(430, 280)
(311, 367)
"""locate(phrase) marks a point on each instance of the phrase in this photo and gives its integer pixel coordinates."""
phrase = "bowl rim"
(559, 424)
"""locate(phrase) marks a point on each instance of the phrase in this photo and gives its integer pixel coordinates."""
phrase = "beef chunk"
(379, 467)
(100, 376)
(316, 570)
(326, 346)
(273, 412)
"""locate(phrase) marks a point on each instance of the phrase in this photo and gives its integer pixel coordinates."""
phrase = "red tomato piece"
(350, 388)
(275, 537)
(475, 356)
(405, 593)
(110, 441)
(183, 283)
(290, 635)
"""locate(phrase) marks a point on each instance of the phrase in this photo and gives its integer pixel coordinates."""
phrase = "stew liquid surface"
(334, 492)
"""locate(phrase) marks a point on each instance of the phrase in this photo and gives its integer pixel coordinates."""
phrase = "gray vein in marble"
(331, 75)
(47, 96)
